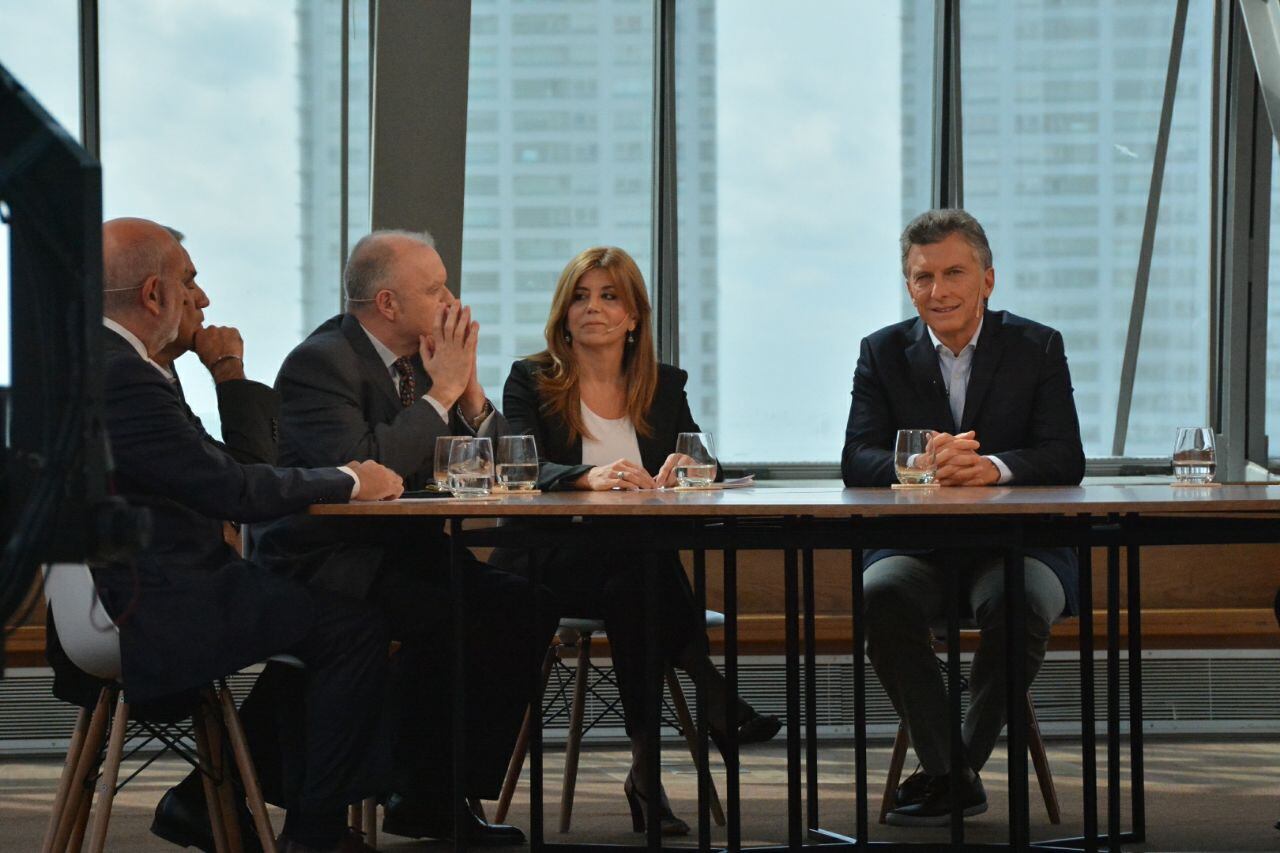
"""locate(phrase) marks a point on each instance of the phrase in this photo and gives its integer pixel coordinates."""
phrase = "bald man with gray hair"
(196, 611)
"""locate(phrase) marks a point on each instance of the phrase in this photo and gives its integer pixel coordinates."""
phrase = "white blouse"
(611, 440)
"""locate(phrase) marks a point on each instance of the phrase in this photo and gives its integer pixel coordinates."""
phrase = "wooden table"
(799, 519)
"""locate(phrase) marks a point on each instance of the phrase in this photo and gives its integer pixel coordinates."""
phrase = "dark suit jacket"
(561, 460)
(190, 609)
(338, 403)
(1019, 401)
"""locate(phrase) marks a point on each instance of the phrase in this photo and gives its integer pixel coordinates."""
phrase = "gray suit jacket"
(338, 403)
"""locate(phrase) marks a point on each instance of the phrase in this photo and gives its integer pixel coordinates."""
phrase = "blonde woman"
(606, 414)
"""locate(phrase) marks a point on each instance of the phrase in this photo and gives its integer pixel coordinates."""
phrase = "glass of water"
(914, 460)
(470, 467)
(699, 468)
(517, 463)
(1194, 460)
(440, 466)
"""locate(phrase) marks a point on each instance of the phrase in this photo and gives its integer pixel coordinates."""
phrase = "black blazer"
(1019, 401)
(560, 461)
(338, 403)
(250, 415)
(189, 609)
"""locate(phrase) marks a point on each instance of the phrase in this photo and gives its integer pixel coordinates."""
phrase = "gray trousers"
(905, 595)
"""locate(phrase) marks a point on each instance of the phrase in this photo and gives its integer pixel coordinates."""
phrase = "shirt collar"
(973, 342)
(137, 344)
(384, 352)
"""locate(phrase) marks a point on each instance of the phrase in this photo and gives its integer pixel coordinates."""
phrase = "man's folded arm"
(1054, 455)
(250, 415)
(152, 439)
(867, 459)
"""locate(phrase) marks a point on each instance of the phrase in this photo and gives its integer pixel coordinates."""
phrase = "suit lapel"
(927, 378)
(371, 365)
(986, 359)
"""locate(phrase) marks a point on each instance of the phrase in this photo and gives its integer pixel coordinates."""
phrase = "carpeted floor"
(1201, 795)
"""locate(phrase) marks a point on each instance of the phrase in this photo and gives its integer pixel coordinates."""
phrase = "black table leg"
(1135, 698)
(810, 693)
(859, 703)
(1113, 697)
(1088, 714)
(1016, 713)
(536, 834)
(792, 605)
(958, 759)
(700, 721)
(457, 583)
(653, 670)
(732, 787)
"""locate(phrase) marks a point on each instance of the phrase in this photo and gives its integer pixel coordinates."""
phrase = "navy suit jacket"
(1019, 402)
(338, 403)
(189, 609)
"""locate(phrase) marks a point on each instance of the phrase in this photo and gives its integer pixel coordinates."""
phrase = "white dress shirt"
(956, 368)
(611, 439)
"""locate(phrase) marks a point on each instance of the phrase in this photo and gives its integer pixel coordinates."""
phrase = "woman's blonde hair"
(558, 380)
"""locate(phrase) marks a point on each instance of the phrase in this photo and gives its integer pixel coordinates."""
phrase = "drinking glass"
(471, 467)
(700, 468)
(1194, 460)
(517, 463)
(914, 460)
(440, 467)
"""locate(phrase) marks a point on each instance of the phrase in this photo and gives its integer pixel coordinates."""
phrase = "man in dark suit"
(996, 389)
(188, 609)
(385, 380)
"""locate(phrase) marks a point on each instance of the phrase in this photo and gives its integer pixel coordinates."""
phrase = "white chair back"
(88, 636)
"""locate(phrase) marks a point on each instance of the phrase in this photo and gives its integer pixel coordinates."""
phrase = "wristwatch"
(475, 422)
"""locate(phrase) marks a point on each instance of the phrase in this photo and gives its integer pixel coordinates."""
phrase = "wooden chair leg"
(80, 793)
(222, 774)
(1040, 759)
(80, 825)
(369, 817)
(516, 765)
(691, 738)
(355, 817)
(110, 774)
(248, 773)
(212, 799)
(65, 780)
(896, 760)
(574, 746)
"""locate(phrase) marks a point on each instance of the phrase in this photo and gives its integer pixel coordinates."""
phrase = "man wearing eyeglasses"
(996, 390)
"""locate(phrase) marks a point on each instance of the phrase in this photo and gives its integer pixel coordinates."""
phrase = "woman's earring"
(568, 338)
(631, 337)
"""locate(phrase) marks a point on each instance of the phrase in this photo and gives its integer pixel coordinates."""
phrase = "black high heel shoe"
(752, 727)
(668, 823)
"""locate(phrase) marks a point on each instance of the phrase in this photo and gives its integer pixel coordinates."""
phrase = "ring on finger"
(621, 475)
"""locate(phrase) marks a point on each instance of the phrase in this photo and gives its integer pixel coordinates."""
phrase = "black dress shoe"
(913, 790)
(418, 819)
(935, 808)
(182, 818)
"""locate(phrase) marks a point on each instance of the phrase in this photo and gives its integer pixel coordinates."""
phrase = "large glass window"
(218, 133)
(793, 148)
(559, 158)
(1061, 110)
(1273, 318)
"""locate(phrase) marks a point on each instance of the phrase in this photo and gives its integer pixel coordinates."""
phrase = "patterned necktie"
(408, 389)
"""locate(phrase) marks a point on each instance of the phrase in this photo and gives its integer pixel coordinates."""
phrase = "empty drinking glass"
(700, 467)
(517, 463)
(1194, 460)
(471, 467)
(913, 459)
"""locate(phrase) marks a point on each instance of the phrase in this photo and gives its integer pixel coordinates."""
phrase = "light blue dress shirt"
(956, 368)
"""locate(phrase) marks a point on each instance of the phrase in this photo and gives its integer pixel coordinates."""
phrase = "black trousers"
(599, 582)
(504, 649)
(321, 736)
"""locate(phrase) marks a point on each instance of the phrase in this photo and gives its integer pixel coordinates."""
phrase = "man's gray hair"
(934, 226)
(370, 263)
(125, 266)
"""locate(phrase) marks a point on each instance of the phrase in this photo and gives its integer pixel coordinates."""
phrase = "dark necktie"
(408, 389)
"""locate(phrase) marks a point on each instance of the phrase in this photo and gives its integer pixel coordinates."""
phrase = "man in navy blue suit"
(996, 389)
